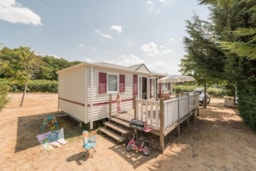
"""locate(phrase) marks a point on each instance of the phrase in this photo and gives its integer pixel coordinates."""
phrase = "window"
(112, 83)
(122, 83)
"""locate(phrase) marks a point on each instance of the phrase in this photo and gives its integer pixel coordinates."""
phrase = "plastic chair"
(89, 142)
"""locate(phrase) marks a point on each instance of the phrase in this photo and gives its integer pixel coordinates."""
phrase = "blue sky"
(124, 32)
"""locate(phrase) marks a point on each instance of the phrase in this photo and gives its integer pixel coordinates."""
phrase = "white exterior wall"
(73, 91)
(101, 101)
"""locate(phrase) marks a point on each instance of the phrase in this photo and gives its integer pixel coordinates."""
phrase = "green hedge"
(33, 86)
(246, 101)
(43, 86)
(213, 91)
(4, 88)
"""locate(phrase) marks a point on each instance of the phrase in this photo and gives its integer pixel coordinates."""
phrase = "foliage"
(10, 60)
(246, 101)
(33, 86)
(23, 65)
(204, 59)
(43, 86)
(213, 91)
(51, 65)
(4, 88)
(234, 23)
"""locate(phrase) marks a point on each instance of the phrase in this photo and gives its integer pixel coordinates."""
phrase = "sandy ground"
(215, 140)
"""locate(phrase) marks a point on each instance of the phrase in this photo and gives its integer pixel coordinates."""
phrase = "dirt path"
(216, 140)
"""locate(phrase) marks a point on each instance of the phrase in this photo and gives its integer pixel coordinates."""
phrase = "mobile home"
(85, 90)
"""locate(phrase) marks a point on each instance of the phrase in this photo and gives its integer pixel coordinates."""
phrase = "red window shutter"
(102, 83)
(169, 86)
(122, 83)
(135, 85)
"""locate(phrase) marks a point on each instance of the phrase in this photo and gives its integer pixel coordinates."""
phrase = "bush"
(213, 91)
(35, 86)
(246, 101)
(4, 88)
(43, 86)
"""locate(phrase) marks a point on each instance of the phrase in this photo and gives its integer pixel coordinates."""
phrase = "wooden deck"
(163, 116)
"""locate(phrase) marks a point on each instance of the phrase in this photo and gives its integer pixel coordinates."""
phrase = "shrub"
(246, 101)
(4, 88)
(35, 86)
(43, 86)
(213, 91)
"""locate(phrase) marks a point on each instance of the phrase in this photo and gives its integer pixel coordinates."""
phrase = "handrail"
(172, 110)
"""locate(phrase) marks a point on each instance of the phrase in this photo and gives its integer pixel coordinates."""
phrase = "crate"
(228, 101)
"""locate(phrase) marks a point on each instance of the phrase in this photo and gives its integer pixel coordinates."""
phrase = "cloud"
(80, 45)
(149, 2)
(117, 28)
(107, 36)
(14, 12)
(150, 49)
(164, 50)
(171, 39)
(128, 60)
(130, 43)
(163, 67)
(56, 56)
(90, 60)
(104, 35)
(157, 6)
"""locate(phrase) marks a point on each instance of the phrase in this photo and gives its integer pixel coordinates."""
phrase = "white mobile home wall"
(100, 102)
(72, 91)
(85, 104)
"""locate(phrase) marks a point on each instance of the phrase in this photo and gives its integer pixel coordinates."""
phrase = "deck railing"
(172, 110)
(148, 111)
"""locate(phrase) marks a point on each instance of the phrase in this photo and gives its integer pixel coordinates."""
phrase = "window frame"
(117, 82)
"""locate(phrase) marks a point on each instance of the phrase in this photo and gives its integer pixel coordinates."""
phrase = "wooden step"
(112, 134)
(115, 127)
(121, 122)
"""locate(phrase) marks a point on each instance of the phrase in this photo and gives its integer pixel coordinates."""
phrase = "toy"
(138, 145)
(52, 124)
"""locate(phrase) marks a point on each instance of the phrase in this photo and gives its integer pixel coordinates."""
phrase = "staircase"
(116, 128)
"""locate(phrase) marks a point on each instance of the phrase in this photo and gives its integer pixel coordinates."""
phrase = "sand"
(216, 140)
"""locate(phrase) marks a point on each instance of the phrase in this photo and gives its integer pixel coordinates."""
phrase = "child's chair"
(89, 143)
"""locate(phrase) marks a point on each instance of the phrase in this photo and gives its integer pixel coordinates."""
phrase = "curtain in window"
(112, 82)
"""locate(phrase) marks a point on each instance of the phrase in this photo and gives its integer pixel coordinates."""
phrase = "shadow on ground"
(82, 156)
(29, 128)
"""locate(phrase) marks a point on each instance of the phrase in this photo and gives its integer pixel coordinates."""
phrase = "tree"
(234, 24)
(51, 65)
(4, 88)
(204, 60)
(22, 66)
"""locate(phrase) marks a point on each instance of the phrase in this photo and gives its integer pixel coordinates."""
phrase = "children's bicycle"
(140, 144)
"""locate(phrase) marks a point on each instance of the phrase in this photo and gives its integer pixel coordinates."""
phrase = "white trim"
(91, 100)
(117, 76)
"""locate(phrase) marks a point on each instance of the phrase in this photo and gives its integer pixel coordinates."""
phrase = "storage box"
(228, 101)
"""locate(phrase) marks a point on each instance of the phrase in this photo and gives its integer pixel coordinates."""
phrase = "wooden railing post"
(135, 101)
(162, 125)
(110, 104)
